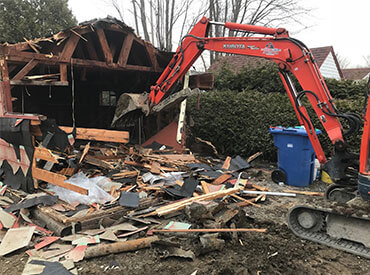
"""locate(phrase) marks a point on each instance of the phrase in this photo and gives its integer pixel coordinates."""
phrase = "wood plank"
(221, 179)
(63, 72)
(57, 179)
(98, 134)
(44, 154)
(204, 187)
(38, 83)
(69, 47)
(104, 45)
(125, 50)
(226, 164)
(307, 193)
(46, 77)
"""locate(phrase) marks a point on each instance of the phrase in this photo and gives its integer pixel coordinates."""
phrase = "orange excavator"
(345, 224)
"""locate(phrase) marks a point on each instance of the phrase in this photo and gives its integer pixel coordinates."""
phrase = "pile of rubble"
(123, 198)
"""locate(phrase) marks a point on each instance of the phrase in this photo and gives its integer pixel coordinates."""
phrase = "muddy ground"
(276, 252)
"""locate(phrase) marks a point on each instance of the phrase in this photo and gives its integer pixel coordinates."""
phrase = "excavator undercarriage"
(341, 226)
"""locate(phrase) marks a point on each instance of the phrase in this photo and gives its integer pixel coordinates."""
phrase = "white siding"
(329, 69)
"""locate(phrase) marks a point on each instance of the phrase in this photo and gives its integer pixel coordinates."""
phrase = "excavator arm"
(335, 227)
(291, 56)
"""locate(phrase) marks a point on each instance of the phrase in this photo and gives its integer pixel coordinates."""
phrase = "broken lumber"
(56, 179)
(97, 162)
(45, 154)
(183, 203)
(98, 134)
(175, 157)
(244, 201)
(269, 193)
(58, 228)
(226, 164)
(308, 193)
(132, 245)
(221, 179)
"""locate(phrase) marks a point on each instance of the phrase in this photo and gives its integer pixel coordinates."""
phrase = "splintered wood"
(182, 204)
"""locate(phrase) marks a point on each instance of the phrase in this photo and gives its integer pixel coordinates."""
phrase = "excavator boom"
(328, 225)
(292, 57)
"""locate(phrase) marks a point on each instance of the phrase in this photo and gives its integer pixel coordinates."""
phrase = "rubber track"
(323, 238)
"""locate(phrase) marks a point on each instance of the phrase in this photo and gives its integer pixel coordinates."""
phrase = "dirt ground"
(276, 252)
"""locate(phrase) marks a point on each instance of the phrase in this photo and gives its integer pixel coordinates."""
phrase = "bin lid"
(297, 130)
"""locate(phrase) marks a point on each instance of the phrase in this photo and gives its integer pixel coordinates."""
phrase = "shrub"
(236, 116)
(238, 123)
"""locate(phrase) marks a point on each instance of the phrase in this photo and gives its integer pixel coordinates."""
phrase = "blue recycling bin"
(296, 157)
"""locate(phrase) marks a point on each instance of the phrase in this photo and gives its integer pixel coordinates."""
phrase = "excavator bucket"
(131, 102)
(128, 103)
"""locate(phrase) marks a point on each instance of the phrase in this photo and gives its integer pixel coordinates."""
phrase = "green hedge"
(238, 122)
(236, 116)
(265, 79)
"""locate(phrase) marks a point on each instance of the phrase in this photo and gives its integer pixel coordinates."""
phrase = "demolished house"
(74, 78)
(76, 132)
(61, 135)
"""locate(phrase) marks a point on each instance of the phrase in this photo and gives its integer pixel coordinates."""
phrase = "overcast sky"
(341, 24)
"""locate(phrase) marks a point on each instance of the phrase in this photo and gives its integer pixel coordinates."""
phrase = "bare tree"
(162, 22)
(343, 61)
(367, 60)
(252, 12)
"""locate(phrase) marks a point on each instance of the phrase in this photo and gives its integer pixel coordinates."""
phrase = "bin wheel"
(278, 176)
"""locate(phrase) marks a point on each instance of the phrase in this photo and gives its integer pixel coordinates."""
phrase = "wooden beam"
(91, 48)
(38, 83)
(56, 179)
(98, 134)
(4, 73)
(11, 68)
(151, 53)
(27, 56)
(63, 72)
(125, 50)
(26, 69)
(104, 45)
(69, 47)
(5, 98)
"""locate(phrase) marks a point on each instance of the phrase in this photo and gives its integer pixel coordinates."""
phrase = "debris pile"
(118, 198)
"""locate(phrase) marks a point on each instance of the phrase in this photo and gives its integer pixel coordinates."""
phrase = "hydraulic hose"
(353, 119)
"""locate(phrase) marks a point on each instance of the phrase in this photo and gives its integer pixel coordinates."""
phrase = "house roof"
(355, 73)
(237, 62)
(321, 53)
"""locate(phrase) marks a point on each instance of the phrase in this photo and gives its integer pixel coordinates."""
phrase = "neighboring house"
(356, 73)
(236, 63)
(324, 56)
(327, 62)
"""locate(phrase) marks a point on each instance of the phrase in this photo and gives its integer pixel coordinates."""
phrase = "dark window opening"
(108, 98)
